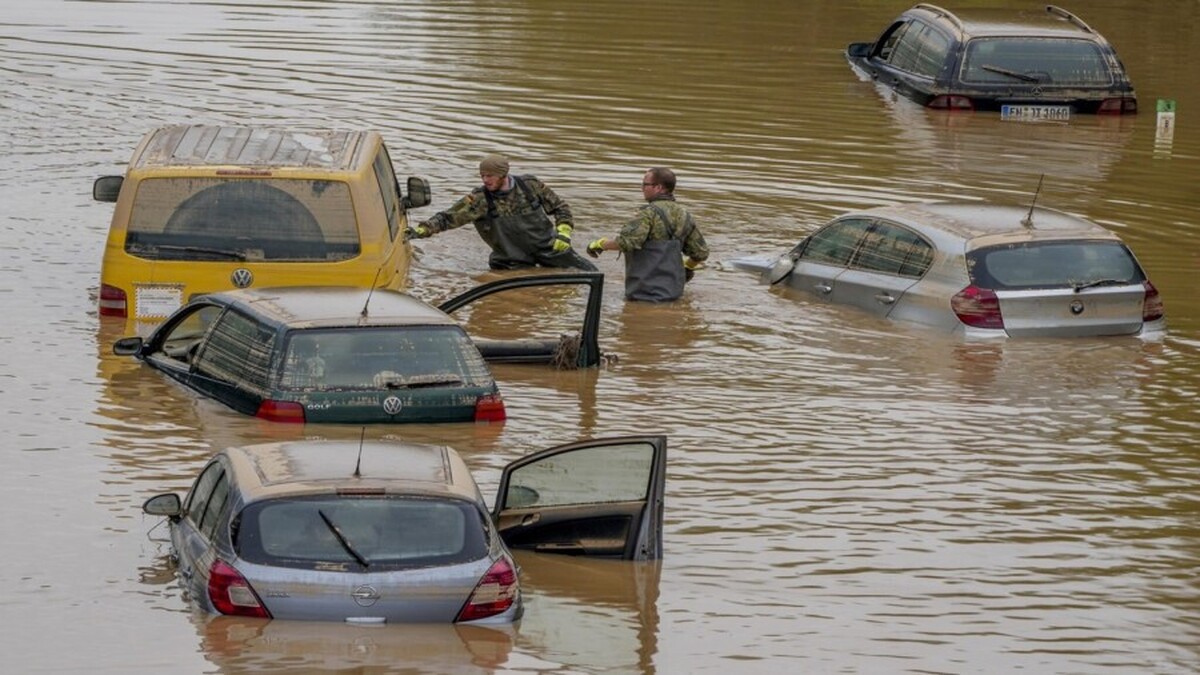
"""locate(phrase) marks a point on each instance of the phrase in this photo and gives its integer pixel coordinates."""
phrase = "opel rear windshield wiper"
(1009, 73)
(342, 539)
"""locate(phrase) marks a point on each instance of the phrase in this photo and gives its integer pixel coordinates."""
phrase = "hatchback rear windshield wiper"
(1099, 282)
(421, 381)
(1010, 73)
(219, 252)
(342, 539)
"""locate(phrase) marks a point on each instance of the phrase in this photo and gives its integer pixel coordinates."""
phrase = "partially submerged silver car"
(388, 532)
(978, 269)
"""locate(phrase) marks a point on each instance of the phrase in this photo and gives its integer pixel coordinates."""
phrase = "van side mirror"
(418, 193)
(130, 346)
(107, 188)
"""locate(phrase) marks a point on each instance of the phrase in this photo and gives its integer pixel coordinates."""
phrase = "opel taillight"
(490, 408)
(113, 301)
(951, 102)
(494, 594)
(230, 593)
(977, 307)
(1152, 304)
(281, 411)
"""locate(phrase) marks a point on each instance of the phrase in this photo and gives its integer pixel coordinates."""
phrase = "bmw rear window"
(1035, 61)
(246, 219)
(1058, 264)
(390, 357)
(339, 532)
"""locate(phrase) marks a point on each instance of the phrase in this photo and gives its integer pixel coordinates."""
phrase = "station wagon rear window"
(1041, 61)
(393, 357)
(259, 219)
(1054, 265)
(340, 532)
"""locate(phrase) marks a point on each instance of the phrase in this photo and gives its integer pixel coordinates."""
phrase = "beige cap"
(494, 164)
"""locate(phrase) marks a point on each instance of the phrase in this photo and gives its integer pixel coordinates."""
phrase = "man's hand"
(689, 268)
(421, 231)
(595, 248)
(562, 240)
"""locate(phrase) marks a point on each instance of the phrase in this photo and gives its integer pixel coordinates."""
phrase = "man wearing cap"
(513, 215)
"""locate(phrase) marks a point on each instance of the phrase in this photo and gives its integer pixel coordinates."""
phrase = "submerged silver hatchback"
(387, 532)
(977, 269)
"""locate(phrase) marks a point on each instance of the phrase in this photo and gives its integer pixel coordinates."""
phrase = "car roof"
(251, 148)
(994, 22)
(295, 468)
(324, 306)
(990, 224)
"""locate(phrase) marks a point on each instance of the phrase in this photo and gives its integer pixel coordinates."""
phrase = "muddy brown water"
(844, 493)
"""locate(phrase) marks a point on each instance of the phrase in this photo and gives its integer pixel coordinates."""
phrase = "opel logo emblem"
(1077, 307)
(392, 405)
(242, 277)
(365, 596)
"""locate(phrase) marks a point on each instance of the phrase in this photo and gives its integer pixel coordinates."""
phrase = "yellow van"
(208, 208)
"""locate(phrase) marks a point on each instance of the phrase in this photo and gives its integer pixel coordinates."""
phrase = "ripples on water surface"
(844, 493)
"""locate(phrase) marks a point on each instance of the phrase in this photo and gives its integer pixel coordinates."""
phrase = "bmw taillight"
(490, 408)
(977, 307)
(1152, 304)
(281, 411)
(951, 102)
(1118, 106)
(494, 594)
(113, 301)
(231, 594)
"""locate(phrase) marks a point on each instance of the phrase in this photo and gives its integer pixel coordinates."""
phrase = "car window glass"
(1052, 61)
(893, 250)
(387, 187)
(217, 504)
(393, 357)
(594, 475)
(888, 43)
(931, 52)
(238, 349)
(386, 531)
(1053, 264)
(260, 219)
(202, 492)
(908, 47)
(183, 336)
(836, 242)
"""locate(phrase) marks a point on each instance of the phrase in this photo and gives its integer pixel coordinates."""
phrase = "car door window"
(181, 338)
(836, 243)
(892, 249)
(217, 505)
(887, 45)
(921, 50)
(202, 493)
(386, 178)
(238, 351)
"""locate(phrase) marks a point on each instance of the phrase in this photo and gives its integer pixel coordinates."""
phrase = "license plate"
(1057, 113)
(157, 301)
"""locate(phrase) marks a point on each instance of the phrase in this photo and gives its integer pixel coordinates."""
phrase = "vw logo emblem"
(365, 596)
(392, 405)
(242, 277)
(1077, 307)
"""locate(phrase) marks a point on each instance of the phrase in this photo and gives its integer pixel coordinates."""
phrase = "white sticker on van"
(157, 301)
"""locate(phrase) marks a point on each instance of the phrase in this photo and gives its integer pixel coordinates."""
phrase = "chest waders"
(524, 238)
(654, 273)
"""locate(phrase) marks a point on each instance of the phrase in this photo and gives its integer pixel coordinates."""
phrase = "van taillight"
(951, 102)
(230, 593)
(494, 594)
(281, 411)
(113, 301)
(1152, 304)
(1118, 106)
(978, 307)
(490, 408)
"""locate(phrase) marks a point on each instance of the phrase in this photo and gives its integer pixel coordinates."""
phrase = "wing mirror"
(129, 346)
(166, 505)
(418, 193)
(859, 50)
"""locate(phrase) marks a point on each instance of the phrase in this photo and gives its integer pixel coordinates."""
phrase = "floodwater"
(844, 493)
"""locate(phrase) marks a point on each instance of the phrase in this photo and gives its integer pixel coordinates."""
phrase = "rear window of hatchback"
(1060, 264)
(1058, 62)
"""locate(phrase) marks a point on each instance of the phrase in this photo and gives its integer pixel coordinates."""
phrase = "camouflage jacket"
(474, 207)
(649, 226)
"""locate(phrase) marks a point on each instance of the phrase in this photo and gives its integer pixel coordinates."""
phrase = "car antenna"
(1027, 222)
(370, 291)
(358, 462)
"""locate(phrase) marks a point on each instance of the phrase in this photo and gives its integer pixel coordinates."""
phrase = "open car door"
(581, 351)
(600, 498)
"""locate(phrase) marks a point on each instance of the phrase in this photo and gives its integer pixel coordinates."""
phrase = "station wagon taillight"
(951, 102)
(281, 411)
(231, 594)
(113, 301)
(490, 408)
(1152, 304)
(494, 594)
(977, 307)
(1118, 106)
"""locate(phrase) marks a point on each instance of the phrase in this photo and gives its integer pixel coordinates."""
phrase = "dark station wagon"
(352, 355)
(1027, 65)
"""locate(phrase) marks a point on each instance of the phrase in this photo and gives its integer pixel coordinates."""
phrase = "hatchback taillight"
(281, 411)
(1152, 304)
(113, 301)
(1118, 106)
(490, 408)
(951, 102)
(230, 593)
(494, 594)
(977, 307)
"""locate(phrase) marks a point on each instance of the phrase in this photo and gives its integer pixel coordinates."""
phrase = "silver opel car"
(389, 532)
(977, 269)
